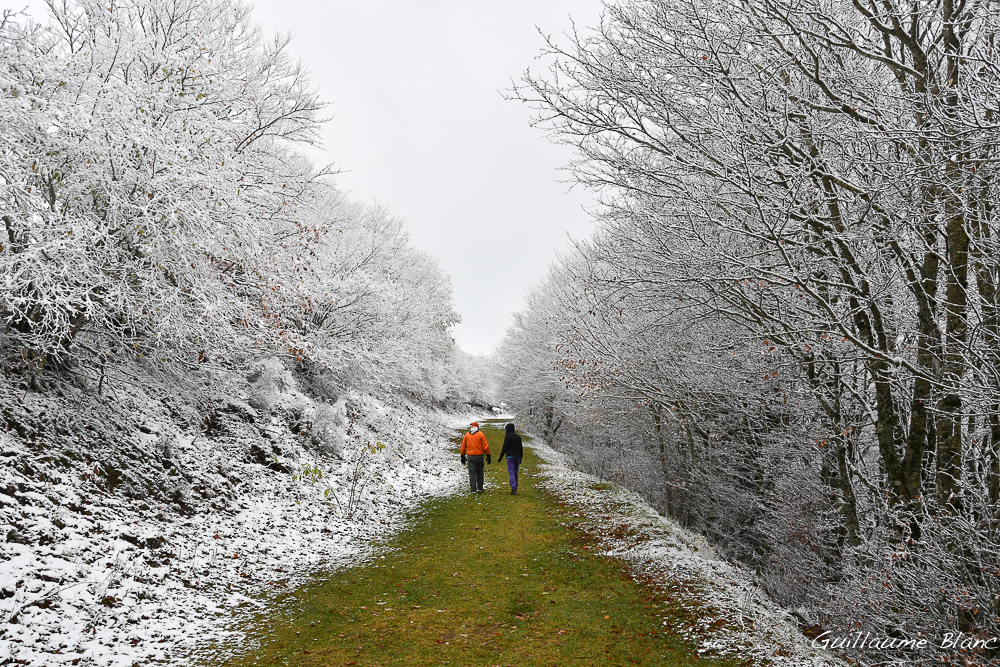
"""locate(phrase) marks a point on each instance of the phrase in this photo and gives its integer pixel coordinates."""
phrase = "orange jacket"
(475, 444)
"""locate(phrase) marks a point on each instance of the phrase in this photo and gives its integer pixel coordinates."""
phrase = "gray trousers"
(476, 467)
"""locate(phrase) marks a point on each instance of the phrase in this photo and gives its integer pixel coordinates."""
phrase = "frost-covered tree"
(367, 304)
(811, 188)
(530, 380)
(155, 205)
(147, 173)
(472, 379)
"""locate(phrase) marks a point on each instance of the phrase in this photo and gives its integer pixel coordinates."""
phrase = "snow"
(95, 578)
(660, 551)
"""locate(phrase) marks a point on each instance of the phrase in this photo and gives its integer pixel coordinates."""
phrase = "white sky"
(419, 125)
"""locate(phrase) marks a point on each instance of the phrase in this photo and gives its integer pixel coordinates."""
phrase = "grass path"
(485, 579)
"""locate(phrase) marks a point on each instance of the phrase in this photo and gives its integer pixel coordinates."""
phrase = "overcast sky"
(419, 124)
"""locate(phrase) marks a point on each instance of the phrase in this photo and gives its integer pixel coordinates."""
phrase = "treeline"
(786, 329)
(157, 206)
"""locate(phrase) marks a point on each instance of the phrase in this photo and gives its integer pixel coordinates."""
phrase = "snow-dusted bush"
(269, 380)
(329, 428)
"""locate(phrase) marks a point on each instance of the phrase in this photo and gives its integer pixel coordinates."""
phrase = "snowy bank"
(109, 559)
(733, 616)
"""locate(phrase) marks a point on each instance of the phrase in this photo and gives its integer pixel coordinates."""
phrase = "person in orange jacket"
(474, 447)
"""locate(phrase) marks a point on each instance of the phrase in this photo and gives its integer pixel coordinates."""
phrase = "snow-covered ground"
(117, 578)
(91, 577)
(734, 618)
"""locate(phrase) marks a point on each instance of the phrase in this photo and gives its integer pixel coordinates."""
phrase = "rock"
(259, 456)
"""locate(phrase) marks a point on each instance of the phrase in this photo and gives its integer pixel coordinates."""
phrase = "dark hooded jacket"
(511, 445)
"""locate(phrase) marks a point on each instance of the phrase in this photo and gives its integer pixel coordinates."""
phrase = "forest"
(784, 331)
(157, 207)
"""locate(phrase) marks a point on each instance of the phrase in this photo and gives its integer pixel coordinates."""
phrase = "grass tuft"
(601, 486)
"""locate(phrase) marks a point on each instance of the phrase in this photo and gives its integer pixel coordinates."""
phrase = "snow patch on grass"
(731, 616)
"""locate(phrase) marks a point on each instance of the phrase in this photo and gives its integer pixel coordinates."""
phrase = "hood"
(509, 428)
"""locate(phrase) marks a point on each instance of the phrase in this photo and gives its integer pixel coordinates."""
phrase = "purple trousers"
(512, 465)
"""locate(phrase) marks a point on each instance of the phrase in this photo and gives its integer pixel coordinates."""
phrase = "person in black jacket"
(513, 450)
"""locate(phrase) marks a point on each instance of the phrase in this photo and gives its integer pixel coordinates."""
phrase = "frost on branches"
(147, 174)
(205, 347)
(155, 206)
(786, 330)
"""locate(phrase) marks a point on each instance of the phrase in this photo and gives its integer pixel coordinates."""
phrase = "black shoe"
(513, 492)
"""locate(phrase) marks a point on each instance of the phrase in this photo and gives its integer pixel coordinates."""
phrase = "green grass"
(487, 579)
(601, 486)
